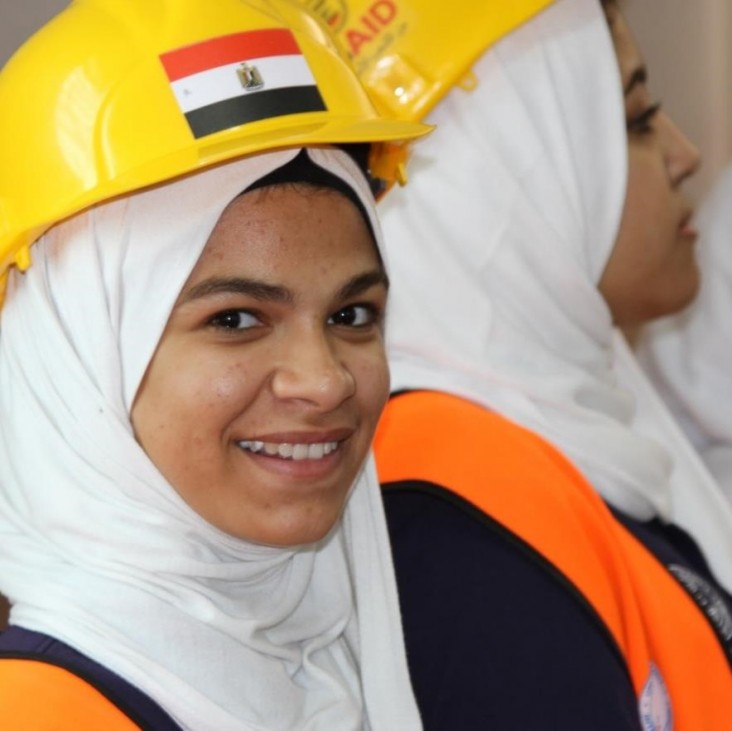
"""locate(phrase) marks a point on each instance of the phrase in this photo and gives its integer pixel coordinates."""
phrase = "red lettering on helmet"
(356, 39)
(369, 23)
(376, 18)
(384, 11)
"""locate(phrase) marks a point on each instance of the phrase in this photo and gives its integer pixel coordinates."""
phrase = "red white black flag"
(245, 77)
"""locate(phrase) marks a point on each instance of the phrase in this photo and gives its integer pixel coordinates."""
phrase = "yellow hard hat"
(115, 95)
(410, 53)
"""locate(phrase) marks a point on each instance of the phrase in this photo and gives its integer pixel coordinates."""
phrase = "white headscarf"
(496, 249)
(689, 356)
(98, 550)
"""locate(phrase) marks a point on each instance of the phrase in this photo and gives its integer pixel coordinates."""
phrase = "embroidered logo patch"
(654, 704)
(708, 599)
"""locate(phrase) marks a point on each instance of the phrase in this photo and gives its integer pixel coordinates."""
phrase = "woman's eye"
(234, 320)
(354, 316)
(642, 124)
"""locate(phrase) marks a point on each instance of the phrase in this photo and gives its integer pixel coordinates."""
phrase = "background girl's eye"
(643, 123)
(234, 320)
(354, 316)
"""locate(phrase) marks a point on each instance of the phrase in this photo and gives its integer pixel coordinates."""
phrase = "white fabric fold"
(98, 550)
(496, 248)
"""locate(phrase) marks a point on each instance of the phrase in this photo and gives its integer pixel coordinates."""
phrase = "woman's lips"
(687, 229)
(298, 454)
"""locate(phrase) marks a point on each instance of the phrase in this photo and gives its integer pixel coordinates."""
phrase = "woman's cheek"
(372, 378)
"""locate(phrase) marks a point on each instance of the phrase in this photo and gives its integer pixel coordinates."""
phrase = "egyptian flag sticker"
(244, 77)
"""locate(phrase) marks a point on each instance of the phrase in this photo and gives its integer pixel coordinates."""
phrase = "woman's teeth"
(290, 451)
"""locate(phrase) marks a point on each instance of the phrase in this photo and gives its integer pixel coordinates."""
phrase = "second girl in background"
(561, 552)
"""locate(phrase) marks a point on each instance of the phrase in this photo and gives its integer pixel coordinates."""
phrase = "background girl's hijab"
(496, 250)
(689, 356)
(98, 550)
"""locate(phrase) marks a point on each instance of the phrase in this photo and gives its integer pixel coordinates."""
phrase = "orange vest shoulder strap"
(516, 478)
(44, 697)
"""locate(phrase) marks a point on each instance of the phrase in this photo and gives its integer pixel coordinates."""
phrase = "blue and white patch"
(654, 704)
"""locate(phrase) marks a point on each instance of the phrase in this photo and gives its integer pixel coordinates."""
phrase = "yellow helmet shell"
(410, 53)
(116, 95)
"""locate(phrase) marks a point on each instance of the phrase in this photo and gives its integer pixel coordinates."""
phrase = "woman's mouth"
(687, 229)
(292, 451)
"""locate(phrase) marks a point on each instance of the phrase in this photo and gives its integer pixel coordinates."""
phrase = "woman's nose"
(682, 156)
(311, 370)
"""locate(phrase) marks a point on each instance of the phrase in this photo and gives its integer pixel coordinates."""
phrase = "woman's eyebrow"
(237, 285)
(361, 282)
(637, 78)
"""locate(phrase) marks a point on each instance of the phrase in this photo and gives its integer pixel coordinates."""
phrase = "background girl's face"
(652, 270)
(261, 400)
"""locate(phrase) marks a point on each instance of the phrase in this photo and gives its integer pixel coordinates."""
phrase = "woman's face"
(261, 400)
(651, 271)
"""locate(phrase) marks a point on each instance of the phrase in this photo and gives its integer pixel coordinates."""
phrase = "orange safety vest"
(44, 697)
(514, 476)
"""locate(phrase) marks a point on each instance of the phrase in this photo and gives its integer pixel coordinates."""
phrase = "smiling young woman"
(191, 371)
(274, 385)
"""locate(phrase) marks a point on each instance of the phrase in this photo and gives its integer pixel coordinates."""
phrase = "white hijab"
(496, 249)
(689, 356)
(98, 550)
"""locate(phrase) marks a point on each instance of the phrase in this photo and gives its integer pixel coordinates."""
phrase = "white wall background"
(687, 44)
